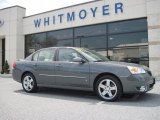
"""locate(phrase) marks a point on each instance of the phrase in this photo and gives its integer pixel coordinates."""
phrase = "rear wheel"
(108, 88)
(29, 83)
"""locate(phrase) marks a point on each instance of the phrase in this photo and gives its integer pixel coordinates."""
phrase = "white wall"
(132, 9)
(153, 17)
(12, 31)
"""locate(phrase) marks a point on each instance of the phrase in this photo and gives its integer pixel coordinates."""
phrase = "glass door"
(3, 51)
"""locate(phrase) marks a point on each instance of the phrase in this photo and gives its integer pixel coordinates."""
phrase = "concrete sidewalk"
(5, 75)
(157, 78)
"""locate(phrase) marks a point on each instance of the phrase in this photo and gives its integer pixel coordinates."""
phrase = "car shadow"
(142, 100)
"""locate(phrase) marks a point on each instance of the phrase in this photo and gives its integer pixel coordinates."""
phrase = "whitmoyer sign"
(72, 16)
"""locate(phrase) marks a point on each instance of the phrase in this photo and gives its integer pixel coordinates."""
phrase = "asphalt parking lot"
(58, 104)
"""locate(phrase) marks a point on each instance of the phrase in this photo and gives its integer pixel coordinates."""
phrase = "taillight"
(14, 65)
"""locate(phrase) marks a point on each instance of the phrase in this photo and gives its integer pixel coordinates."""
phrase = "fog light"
(142, 88)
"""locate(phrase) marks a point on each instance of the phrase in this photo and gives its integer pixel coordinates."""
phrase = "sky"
(38, 6)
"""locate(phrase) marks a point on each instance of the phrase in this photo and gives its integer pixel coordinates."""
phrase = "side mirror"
(78, 59)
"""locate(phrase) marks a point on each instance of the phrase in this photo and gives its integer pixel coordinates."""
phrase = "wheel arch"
(26, 73)
(103, 74)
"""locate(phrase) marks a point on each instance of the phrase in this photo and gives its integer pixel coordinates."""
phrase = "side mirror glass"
(78, 59)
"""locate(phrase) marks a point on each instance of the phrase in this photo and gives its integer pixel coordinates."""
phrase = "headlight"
(136, 70)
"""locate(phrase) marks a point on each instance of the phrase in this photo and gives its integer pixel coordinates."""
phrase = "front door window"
(67, 55)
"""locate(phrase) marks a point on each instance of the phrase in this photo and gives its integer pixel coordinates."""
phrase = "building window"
(127, 26)
(60, 38)
(92, 37)
(135, 54)
(60, 34)
(95, 42)
(34, 42)
(93, 30)
(128, 41)
(120, 41)
(67, 43)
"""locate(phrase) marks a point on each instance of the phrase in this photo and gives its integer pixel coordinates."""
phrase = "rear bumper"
(16, 74)
(138, 83)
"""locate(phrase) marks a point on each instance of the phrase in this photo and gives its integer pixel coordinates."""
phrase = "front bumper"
(139, 83)
(147, 87)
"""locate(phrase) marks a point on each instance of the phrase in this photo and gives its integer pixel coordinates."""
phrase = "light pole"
(80, 37)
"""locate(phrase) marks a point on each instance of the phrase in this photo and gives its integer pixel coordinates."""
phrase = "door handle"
(59, 65)
(35, 65)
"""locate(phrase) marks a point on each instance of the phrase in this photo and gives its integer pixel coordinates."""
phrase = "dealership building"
(122, 30)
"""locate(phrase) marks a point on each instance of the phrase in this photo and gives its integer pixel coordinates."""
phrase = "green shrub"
(2, 72)
(6, 67)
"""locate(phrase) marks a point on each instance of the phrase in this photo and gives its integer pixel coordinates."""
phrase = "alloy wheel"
(107, 89)
(28, 83)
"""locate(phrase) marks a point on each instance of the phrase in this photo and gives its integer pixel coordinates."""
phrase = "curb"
(157, 78)
(5, 75)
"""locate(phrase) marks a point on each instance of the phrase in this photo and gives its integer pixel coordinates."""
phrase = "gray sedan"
(81, 69)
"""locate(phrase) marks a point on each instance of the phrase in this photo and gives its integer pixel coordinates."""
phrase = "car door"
(69, 73)
(45, 66)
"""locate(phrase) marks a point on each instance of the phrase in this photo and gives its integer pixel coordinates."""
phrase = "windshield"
(92, 55)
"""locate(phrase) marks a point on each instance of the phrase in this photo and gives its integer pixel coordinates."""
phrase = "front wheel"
(29, 83)
(108, 88)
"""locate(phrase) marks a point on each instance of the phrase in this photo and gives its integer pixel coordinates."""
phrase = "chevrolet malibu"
(81, 69)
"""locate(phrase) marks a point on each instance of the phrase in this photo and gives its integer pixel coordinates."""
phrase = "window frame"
(37, 52)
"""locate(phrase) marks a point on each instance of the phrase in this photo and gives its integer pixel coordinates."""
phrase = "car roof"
(58, 47)
(51, 48)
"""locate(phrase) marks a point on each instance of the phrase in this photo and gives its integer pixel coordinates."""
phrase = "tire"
(29, 83)
(108, 88)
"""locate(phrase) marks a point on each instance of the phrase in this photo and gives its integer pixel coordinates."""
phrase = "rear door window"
(46, 55)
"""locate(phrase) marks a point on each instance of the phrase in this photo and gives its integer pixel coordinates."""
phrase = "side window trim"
(81, 55)
(34, 55)
(54, 50)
